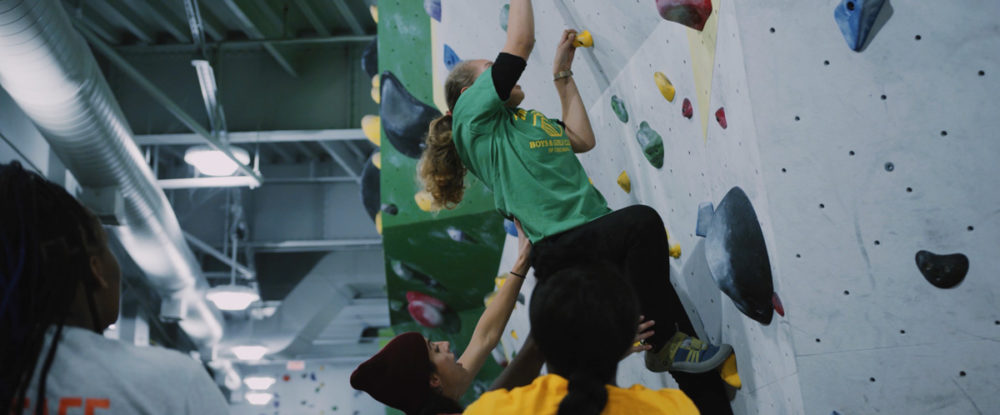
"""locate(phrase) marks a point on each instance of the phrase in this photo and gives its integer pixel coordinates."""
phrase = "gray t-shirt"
(95, 375)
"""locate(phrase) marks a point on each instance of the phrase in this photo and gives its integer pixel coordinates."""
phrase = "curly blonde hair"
(440, 170)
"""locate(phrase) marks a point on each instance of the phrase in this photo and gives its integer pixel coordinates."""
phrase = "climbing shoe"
(684, 353)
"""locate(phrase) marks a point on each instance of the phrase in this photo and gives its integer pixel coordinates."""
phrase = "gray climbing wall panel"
(853, 161)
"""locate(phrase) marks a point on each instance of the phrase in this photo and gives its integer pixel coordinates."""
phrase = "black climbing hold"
(369, 59)
(889, 166)
(390, 209)
(943, 271)
(404, 118)
(944, 133)
(737, 256)
(371, 196)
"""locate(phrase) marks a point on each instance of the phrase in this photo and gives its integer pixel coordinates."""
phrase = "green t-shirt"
(526, 160)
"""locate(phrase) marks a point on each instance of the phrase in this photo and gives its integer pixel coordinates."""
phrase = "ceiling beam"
(159, 96)
(215, 253)
(244, 44)
(244, 181)
(285, 155)
(251, 30)
(312, 17)
(121, 17)
(254, 137)
(335, 155)
(162, 16)
(349, 17)
(314, 245)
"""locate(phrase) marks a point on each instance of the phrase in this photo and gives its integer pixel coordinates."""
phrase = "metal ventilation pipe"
(47, 68)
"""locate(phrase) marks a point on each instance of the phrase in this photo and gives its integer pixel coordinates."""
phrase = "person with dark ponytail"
(528, 161)
(59, 290)
(583, 319)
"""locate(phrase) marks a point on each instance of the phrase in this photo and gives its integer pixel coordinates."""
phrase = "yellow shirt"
(544, 395)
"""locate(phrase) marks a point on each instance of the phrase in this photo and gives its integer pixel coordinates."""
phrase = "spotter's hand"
(642, 333)
(565, 52)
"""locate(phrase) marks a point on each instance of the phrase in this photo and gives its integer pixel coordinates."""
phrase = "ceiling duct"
(50, 72)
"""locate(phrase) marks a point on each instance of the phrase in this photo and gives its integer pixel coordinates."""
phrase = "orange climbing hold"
(584, 40)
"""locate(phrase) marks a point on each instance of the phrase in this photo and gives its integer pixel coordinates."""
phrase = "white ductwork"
(47, 68)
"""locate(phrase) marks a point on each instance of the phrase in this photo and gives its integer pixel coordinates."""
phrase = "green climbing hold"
(619, 107)
(504, 15)
(652, 144)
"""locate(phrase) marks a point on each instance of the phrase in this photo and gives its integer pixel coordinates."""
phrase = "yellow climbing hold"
(584, 40)
(378, 222)
(376, 89)
(489, 298)
(376, 96)
(513, 333)
(624, 182)
(666, 88)
(372, 127)
(500, 280)
(373, 9)
(377, 160)
(730, 374)
(591, 181)
(424, 200)
(675, 248)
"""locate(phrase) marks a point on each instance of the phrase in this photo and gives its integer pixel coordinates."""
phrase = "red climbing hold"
(286, 378)
(720, 116)
(690, 13)
(687, 109)
(777, 304)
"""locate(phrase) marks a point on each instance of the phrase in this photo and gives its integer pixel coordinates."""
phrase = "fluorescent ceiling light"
(259, 398)
(259, 383)
(232, 297)
(249, 352)
(213, 162)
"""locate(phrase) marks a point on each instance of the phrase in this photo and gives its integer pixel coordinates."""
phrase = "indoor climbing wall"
(846, 156)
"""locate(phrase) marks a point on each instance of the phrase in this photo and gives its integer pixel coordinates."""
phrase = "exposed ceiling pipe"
(309, 308)
(50, 72)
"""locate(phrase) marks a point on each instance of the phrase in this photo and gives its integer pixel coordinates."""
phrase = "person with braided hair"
(529, 162)
(59, 290)
(583, 320)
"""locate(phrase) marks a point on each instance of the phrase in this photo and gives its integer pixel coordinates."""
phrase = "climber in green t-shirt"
(528, 160)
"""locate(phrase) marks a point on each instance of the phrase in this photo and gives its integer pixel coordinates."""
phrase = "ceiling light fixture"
(212, 162)
(259, 383)
(249, 352)
(259, 398)
(231, 297)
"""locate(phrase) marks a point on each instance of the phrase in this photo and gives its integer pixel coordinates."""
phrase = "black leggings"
(635, 240)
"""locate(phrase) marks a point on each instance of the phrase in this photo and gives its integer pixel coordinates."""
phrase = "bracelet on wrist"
(562, 75)
(516, 274)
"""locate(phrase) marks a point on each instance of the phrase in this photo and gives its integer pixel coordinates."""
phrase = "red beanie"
(399, 374)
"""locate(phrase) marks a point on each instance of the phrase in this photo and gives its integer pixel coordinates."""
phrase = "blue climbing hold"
(433, 8)
(450, 57)
(510, 227)
(705, 212)
(504, 16)
(856, 18)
